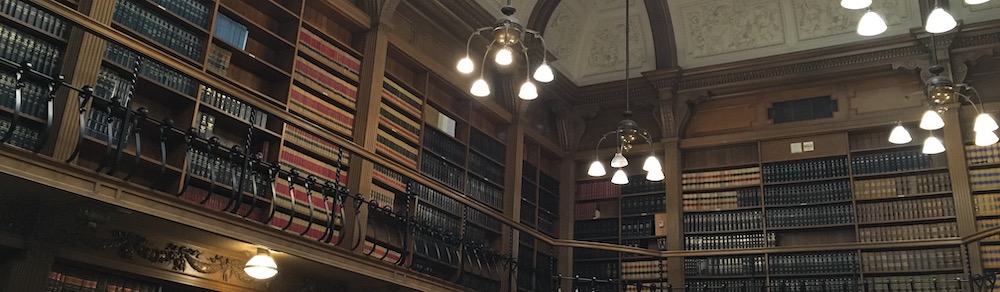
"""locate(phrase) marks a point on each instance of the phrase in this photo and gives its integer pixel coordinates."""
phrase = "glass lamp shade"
(544, 73)
(465, 65)
(596, 169)
(933, 145)
(974, 2)
(985, 123)
(651, 164)
(899, 135)
(619, 161)
(504, 56)
(855, 4)
(931, 121)
(261, 266)
(619, 178)
(655, 175)
(480, 88)
(871, 24)
(528, 91)
(986, 138)
(940, 21)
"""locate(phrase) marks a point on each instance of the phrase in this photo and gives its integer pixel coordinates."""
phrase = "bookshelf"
(74, 277)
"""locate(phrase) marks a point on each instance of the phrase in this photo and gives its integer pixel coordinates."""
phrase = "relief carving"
(719, 27)
(607, 52)
(562, 32)
(818, 19)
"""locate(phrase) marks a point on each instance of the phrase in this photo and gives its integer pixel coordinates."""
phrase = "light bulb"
(465, 65)
(619, 161)
(651, 164)
(655, 175)
(931, 121)
(619, 178)
(986, 138)
(855, 4)
(985, 123)
(528, 91)
(871, 24)
(544, 73)
(899, 135)
(933, 145)
(261, 266)
(596, 169)
(940, 21)
(504, 56)
(974, 2)
(480, 88)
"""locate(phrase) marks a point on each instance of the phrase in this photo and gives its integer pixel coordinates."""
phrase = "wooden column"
(962, 194)
(28, 270)
(512, 191)
(675, 210)
(567, 209)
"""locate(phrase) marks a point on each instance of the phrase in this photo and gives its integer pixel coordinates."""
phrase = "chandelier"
(872, 24)
(626, 134)
(508, 35)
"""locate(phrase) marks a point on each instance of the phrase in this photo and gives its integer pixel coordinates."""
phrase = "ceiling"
(587, 36)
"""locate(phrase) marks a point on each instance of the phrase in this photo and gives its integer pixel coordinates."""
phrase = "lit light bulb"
(931, 121)
(986, 138)
(528, 91)
(480, 88)
(655, 175)
(985, 123)
(940, 21)
(504, 56)
(651, 164)
(619, 178)
(871, 24)
(855, 4)
(596, 169)
(899, 135)
(974, 2)
(465, 65)
(619, 161)
(933, 145)
(544, 73)
(261, 266)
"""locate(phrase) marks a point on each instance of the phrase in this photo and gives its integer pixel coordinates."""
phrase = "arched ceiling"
(587, 36)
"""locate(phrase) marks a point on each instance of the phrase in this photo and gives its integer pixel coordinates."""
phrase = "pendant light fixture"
(855, 4)
(872, 24)
(974, 2)
(261, 266)
(627, 133)
(939, 20)
(508, 37)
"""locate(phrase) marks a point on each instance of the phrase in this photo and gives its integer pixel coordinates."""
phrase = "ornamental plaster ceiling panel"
(522, 14)
(722, 31)
(976, 13)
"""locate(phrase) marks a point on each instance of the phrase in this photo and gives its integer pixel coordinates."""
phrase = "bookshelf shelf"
(643, 237)
(8, 112)
(888, 148)
(656, 192)
(270, 23)
(821, 203)
(719, 189)
(186, 58)
(173, 17)
(254, 63)
(904, 196)
(809, 275)
(723, 210)
(810, 227)
(903, 172)
(806, 181)
(913, 272)
(725, 231)
(23, 26)
(229, 121)
(908, 221)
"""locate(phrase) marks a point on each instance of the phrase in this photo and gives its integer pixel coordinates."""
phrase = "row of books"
(194, 11)
(987, 204)
(908, 232)
(433, 217)
(716, 201)
(150, 69)
(715, 179)
(112, 86)
(382, 252)
(586, 210)
(549, 201)
(711, 285)
(23, 137)
(596, 228)
(597, 190)
(320, 111)
(484, 192)
(644, 204)
(805, 170)
(729, 241)
(444, 145)
(205, 127)
(232, 105)
(810, 216)
(391, 179)
(918, 283)
(818, 284)
(906, 210)
(312, 166)
(59, 282)
(601, 270)
(813, 263)
(18, 46)
(477, 235)
(207, 166)
(428, 267)
(724, 266)
(658, 243)
(34, 97)
(36, 17)
(481, 218)
(990, 256)
(893, 161)
(547, 222)
(644, 270)
(399, 124)
(647, 286)
(901, 186)
(439, 169)
(727, 221)
(142, 20)
(308, 208)
(486, 168)
(637, 227)
(325, 83)
(100, 126)
(314, 144)
(984, 179)
(382, 197)
(984, 224)
(489, 146)
(388, 145)
(639, 184)
(948, 258)
(978, 155)
(230, 31)
(435, 198)
(827, 191)
(402, 99)
(330, 53)
(527, 213)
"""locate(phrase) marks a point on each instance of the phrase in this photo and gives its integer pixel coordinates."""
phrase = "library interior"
(499, 145)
